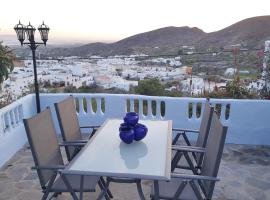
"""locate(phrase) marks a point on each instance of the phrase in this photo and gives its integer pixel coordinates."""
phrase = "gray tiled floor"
(244, 173)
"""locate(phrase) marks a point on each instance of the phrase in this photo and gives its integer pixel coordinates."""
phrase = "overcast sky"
(111, 20)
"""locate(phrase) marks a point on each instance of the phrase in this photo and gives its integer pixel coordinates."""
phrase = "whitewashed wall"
(248, 120)
(12, 132)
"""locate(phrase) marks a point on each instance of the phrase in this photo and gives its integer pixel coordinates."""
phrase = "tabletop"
(106, 155)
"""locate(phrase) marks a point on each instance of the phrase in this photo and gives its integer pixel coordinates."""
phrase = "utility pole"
(235, 51)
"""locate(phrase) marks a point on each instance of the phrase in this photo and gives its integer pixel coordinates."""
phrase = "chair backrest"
(204, 129)
(205, 125)
(68, 122)
(43, 142)
(213, 154)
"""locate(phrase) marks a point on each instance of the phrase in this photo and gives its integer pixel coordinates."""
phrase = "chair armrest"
(49, 167)
(76, 141)
(186, 130)
(188, 149)
(94, 127)
(194, 177)
(71, 144)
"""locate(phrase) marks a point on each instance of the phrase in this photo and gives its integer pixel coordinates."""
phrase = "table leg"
(81, 187)
(156, 190)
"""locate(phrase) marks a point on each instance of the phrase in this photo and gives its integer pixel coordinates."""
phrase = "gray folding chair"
(48, 160)
(196, 187)
(70, 130)
(69, 125)
(203, 133)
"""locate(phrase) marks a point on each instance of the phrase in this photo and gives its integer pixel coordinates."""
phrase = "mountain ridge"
(250, 33)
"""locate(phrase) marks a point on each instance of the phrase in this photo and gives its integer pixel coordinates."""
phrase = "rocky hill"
(164, 38)
(250, 33)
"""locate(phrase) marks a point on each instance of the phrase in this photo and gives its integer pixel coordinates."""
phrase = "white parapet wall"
(247, 120)
(12, 132)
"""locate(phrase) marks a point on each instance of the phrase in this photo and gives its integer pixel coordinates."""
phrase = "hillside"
(163, 37)
(168, 37)
(251, 33)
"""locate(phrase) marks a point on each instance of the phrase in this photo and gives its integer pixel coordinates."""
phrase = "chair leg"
(186, 139)
(93, 133)
(179, 190)
(103, 191)
(196, 190)
(190, 163)
(48, 188)
(70, 189)
(55, 195)
(44, 197)
(176, 138)
(107, 187)
(140, 191)
(175, 160)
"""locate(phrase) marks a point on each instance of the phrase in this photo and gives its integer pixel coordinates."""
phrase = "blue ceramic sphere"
(124, 126)
(140, 132)
(131, 118)
(126, 134)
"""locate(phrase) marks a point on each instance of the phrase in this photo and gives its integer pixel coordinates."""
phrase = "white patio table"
(106, 155)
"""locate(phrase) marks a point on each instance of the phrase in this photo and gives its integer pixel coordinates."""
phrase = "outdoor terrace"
(244, 169)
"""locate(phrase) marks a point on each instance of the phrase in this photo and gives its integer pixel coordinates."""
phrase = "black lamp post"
(30, 32)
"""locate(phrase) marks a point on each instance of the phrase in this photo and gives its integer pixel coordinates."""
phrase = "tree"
(6, 62)
(151, 87)
(70, 89)
(232, 90)
(119, 71)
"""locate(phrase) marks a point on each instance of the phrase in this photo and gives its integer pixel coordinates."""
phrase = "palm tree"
(6, 62)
